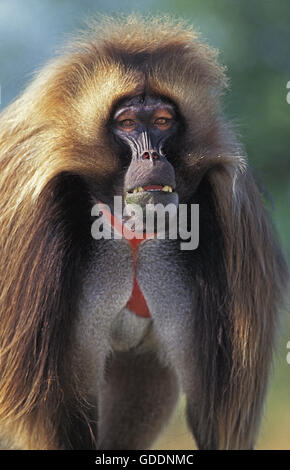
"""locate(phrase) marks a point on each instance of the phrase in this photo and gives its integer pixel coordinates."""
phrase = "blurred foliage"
(254, 39)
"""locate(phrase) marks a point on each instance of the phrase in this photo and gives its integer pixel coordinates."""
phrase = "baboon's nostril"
(150, 155)
(146, 156)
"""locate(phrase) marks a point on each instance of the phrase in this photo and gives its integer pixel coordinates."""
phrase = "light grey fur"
(128, 330)
(105, 290)
(132, 363)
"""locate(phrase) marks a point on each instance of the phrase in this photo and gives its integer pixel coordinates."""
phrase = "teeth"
(138, 190)
(167, 189)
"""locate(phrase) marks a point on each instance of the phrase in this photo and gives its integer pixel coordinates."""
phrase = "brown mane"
(52, 138)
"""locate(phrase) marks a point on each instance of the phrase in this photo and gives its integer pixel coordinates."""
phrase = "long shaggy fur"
(53, 140)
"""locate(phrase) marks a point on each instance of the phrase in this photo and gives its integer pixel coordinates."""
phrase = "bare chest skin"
(103, 322)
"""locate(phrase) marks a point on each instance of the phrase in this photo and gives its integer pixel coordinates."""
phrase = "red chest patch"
(137, 303)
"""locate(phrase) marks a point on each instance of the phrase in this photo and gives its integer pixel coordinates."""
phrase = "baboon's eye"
(126, 124)
(163, 123)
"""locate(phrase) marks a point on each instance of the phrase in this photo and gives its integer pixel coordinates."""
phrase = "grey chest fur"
(103, 320)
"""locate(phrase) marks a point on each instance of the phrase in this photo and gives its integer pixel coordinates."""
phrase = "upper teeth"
(167, 189)
(140, 189)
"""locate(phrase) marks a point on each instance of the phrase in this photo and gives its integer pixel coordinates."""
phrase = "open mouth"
(151, 194)
(152, 188)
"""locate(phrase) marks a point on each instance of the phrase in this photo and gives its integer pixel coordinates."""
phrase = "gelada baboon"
(99, 335)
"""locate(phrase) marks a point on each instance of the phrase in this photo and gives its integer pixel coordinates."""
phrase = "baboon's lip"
(153, 188)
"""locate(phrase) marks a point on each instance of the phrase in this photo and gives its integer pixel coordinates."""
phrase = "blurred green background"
(253, 37)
